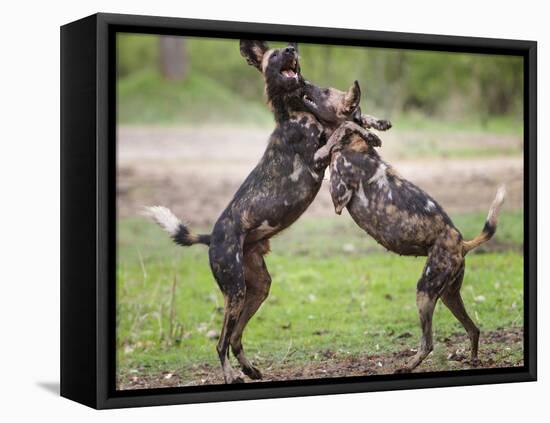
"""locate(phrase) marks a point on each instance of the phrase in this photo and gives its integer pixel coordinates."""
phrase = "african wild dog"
(331, 115)
(404, 219)
(277, 191)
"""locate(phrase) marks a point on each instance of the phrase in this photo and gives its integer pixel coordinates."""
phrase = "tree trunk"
(173, 59)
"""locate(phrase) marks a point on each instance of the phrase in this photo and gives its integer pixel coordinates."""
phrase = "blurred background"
(193, 122)
(196, 101)
(158, 76)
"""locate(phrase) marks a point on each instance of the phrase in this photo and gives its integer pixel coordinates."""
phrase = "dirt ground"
(452, 355)
(196, 171)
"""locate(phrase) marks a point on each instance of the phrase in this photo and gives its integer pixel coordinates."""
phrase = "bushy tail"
(490, 223)
(175, 227)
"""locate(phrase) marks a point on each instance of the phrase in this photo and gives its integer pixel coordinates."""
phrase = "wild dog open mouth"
(309, 102)
(290, 70)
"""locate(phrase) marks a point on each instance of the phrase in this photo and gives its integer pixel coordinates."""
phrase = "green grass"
(333, 289)
(434, 145)
(499, 125)
(422, 137)
(146, 98)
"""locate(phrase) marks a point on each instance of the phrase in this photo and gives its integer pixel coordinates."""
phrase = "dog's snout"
(290, 50)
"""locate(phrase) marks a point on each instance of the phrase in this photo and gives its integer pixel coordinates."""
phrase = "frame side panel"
(530, 230)
(78, 211)
(106, 212)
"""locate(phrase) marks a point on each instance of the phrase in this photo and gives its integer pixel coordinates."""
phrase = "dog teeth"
(309, 102)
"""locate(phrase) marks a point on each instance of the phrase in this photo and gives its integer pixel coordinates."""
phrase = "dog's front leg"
(372, 122)
(342, 135)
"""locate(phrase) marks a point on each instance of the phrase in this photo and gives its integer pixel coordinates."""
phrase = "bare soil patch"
(498, 349)
(197, 171)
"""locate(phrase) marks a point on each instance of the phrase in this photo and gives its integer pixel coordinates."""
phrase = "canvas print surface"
(298, 211)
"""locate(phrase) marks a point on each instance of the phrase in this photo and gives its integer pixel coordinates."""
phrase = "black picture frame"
(88, 162)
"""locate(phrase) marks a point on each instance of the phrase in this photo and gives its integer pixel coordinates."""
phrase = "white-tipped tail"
(492, 216)
(164, 217)
(490, 223)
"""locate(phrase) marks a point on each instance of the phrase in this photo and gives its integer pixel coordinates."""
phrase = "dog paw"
(237, 379)
(231, 378)
(475, 362)
(383, 125)
(252, 372)
(373, 140)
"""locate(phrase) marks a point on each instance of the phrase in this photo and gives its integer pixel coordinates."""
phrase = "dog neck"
(283, 104)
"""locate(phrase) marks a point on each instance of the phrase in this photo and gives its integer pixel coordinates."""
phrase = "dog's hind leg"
(226, 264)
(439, 273)
(453, 300)
(232, 309)
(258, 282)
(425, 301)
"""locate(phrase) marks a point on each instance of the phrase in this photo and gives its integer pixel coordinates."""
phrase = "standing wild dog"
(404, 219)
(277, 191)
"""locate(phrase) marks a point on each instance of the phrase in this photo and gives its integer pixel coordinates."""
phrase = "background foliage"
(472, 88)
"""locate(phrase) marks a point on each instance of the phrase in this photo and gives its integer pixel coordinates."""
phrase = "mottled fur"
(277, 191)
(406, 220)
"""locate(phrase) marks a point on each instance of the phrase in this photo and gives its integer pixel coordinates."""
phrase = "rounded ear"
(253, 51)
(353, 96)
